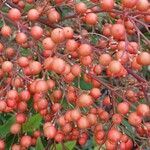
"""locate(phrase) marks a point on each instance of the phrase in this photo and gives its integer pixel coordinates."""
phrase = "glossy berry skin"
(14, 14)
(107, 5)
(26, 141)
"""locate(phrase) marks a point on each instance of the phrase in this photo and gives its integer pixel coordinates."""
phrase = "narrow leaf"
(69, 145)
(83, 85)
(4, 129)
(39, 145)
(33, 123)
(128, 129)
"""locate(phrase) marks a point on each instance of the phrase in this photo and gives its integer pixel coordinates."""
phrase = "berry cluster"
(83, 66)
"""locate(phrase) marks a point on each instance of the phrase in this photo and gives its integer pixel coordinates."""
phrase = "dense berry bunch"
(74, 71)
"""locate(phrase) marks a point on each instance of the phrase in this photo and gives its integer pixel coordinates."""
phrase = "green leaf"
(119, 100)
(128, 129)
(127, 125)
(83, 85)
(94, 39)
(1, 23)
(33, 123)
(5, 9)
(27, 7)
(39, 145)
(147, 35)
(4, 129)
(10, 140)
(69, 145)
(25, 51)
(143, 101)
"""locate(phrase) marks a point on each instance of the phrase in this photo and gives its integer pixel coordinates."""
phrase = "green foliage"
(1, 23)
(25, 51)
(128, 129)
(83, 85)
(4, 129)
(147, 35)
(145, 73)
(5, 9)
(39, 145)
(33, 123)
(70, 145)
(10, 140)
(27, 7)
(94, 39)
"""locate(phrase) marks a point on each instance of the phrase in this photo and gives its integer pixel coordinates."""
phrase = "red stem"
(137, 77)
